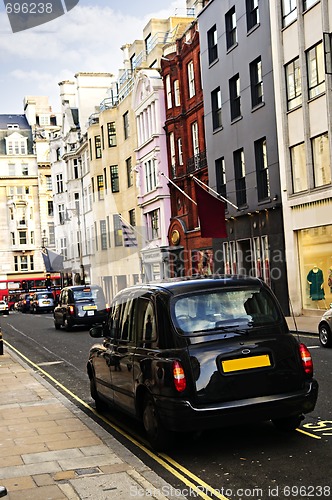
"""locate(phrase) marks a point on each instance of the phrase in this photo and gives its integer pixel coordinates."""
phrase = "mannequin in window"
(316, 281)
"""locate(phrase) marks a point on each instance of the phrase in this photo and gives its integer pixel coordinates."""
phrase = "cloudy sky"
(88, 38)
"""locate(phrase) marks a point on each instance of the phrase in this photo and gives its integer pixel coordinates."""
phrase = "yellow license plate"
(234, 365)
(46, 302)
(89, 308)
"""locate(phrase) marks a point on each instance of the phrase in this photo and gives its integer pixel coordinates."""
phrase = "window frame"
(231, 28)
(212, 42)
(256, 82)
(235, 97)
(216, 108)
(240, 177)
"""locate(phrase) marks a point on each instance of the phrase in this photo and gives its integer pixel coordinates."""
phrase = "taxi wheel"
(288, 424)
(157, 435)
(325, 336)
(100, 405)
(68, 324)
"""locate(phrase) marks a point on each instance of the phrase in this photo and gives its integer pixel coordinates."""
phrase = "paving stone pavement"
(51, 450)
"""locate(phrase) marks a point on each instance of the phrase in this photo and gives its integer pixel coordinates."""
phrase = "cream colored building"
(301, 42)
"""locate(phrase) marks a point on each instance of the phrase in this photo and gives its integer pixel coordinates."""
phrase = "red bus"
(11, 289)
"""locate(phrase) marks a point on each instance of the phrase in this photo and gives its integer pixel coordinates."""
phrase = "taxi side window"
(126, 330)
(146, 323)
(114, 320)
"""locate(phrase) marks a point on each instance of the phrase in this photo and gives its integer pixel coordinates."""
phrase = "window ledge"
(214, 62)
(216, 130)
(232, 48)
(237, 119)
(258, 106)
(254, 28)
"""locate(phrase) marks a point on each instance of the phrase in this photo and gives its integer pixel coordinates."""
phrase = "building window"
(111, 134)
(216, 108)
(154, 224)
(177, 99)
(103, 235)
(48, 182)
(25, 169)
(100, 187)
(240, 177)
(235, 97)
(129, 170)
(191, 79)
(50, 210)
(308, 3)
(59, 183)
(114, 178)
(105, 180)
(24, 263)
(51, 234)
(61, 213)
(22, 235)
(132, 217)
(194, 135)
(75, 168)
(230, 20)
(180, 155)
(212, 42)
(172, 150)
(256, 82)
(321, 160)
(168, 91)
(221, 176)
(126, 125)
(262, 170)
(150, 175)
(298, 167)
(252, 14)
(97, 146)
(117, 230)
(148, 43)
(316, 70)
(293, 84)
(289, 11)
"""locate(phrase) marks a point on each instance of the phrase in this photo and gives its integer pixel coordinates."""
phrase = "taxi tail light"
(306, 359)
(179, 376)
(71, 310)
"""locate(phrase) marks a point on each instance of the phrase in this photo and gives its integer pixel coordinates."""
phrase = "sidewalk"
(304, 324)
(51, 450)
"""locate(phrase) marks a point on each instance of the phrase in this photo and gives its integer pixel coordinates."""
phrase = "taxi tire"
(288, 424)
(99, 403)
(158, 436)
(67, 324)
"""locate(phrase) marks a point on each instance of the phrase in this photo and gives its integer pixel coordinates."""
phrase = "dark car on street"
(42, 302)
(24, 302)
(193, 354)
(80, 305)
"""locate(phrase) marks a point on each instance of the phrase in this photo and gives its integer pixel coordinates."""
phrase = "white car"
(325, 328)
(4, 309)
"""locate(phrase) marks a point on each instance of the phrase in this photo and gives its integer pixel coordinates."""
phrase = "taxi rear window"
(214, 310)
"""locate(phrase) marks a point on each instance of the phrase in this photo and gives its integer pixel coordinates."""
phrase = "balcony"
(93, 119)
(196, 162)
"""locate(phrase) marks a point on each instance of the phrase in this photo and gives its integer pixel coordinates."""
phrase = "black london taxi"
(196, 353)
(80, 305)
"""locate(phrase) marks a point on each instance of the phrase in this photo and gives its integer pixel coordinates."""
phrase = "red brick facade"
(185, 126)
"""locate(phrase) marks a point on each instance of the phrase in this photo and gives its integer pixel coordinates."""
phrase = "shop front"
(315, 261)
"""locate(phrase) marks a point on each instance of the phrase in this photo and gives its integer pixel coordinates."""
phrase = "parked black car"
(192, 354)
(80, 305)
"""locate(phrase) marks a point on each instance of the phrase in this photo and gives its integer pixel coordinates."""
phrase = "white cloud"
(88, 38)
